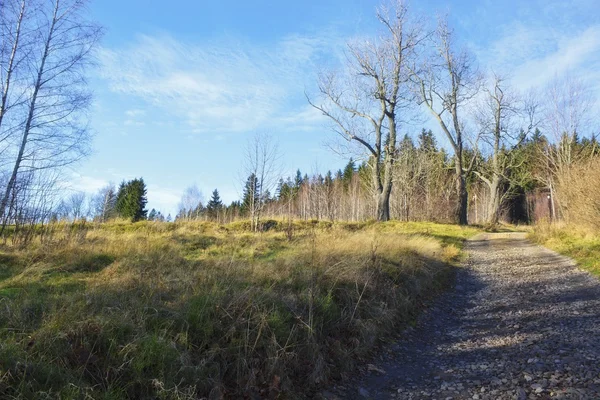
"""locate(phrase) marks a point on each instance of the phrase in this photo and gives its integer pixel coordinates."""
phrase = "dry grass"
(578, 236)
(579, 194)
(177, 311)
(578, 242)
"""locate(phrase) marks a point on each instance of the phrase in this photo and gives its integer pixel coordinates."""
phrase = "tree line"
(417, 68)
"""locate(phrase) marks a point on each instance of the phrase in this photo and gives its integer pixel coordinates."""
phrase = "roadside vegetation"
(181, 310)
(583, 245)
(577, 235)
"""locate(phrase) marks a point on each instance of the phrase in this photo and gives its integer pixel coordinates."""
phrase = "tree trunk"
(383, 206)
(463, 196)
(495, 200)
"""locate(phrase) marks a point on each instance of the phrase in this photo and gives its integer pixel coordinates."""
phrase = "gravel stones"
(523, 323)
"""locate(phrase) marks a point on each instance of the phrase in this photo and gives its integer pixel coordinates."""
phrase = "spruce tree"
(131, 200)
(427, 141)
(251, 198)
(214, 205)
(298, 181)
(348, 173)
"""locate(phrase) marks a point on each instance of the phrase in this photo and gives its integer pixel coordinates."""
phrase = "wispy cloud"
(135, 113)
(163, 198)
(84, 183)
(228, 86)
(547, 39)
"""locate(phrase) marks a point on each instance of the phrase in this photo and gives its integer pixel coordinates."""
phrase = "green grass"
(181, 311)
(581, 245)
(448, 234)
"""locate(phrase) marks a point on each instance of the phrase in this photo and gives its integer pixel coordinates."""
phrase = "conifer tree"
(298, 181)
(348, 173)
(131, 200)
(251, 196)
(427, 141)
(214, 205)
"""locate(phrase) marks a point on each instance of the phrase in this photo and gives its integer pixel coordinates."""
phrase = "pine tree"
(152, 215)
(131, 200)
(214, 205)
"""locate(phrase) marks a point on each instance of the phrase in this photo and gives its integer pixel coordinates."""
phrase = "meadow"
(186, 310)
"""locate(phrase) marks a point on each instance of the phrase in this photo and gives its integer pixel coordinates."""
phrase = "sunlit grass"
(155, 310)
(581, 244)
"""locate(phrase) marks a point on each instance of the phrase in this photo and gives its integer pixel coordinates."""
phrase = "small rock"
(537, 388)
(372, 367)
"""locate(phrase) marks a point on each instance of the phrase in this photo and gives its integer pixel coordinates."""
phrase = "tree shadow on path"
(522, 322)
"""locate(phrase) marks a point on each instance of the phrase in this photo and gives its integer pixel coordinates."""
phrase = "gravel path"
(522, 323)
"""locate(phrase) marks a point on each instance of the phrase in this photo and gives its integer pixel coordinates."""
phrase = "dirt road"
(522, 322)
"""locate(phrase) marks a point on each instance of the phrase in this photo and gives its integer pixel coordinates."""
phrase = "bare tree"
(51, 124)
(566, 118)
(505, 120)
(12, 16)
(446, 83)
(103, 203)
(191, 205)
(368, 104)
(31, 203)
(76, 205)
(262, 166)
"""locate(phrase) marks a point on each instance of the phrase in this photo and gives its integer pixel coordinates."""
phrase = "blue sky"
(180, 86)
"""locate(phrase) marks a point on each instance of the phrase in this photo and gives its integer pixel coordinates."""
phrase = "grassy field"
(181, 311)
(582, 245)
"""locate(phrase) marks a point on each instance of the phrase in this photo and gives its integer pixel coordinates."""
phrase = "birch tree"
(103, 203)
(12, 17)
(191, 204)
(261, 164)
(368, 101)
(51, 126)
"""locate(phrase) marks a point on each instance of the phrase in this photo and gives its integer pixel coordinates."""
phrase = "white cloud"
(546, 39)
(579, 53)
(86, 184)
(163, 199)
(135, 113)
(222, 87)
